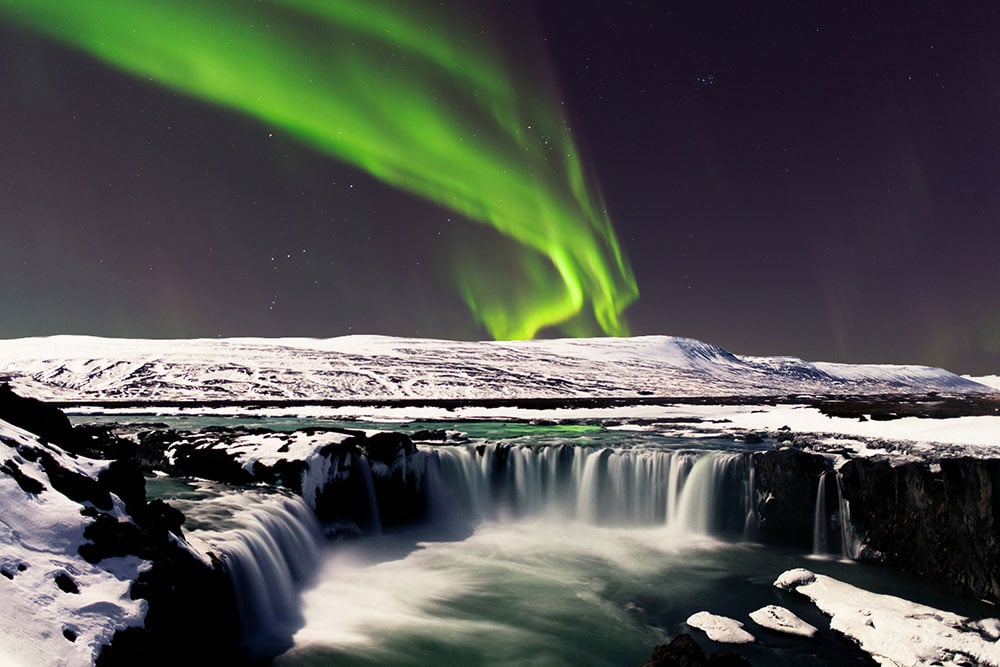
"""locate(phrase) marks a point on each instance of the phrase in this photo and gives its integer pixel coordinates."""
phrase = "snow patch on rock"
(780, 619)
(720, 629)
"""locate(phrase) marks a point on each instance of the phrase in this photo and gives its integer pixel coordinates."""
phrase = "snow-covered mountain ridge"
(82, 368)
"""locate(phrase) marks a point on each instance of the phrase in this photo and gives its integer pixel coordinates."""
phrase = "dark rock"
(124, 478)
(150, 453)
(27, 483)
(387, 446)
(74, 485)
(159, 518)
(684, 651)
(430, 435)
(210, 463)
(45, 421)
(98, 442)
(110, 538)
(192, 616)
(66, 584)
(940, 526)
(785, 494)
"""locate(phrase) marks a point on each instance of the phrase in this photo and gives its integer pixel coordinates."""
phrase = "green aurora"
(418, 100)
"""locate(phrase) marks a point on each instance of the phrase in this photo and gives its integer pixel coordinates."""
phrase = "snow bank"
(57, 609)
(897, 632)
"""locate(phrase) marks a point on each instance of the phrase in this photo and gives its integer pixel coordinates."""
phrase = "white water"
(849, 545)
(271, 546)
(820, 518)
(600, 486)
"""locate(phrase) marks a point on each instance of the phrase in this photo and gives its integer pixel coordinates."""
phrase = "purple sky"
(811, 179)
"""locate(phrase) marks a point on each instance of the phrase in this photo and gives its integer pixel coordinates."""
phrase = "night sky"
(819, 180)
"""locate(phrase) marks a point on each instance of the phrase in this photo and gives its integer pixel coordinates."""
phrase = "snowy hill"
(79, 368)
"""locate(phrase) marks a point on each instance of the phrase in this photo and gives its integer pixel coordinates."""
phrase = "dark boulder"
(47, 422)
(684, 651)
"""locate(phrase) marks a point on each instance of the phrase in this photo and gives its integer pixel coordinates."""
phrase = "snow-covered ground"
(42, 622)
(79, 368)
(899, 438)
(986, 380)
(897, 632)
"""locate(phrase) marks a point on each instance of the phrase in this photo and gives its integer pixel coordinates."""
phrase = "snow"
(269, 448)
(780, 619)
(992, 381)
(894, 631)
(720, 628)
(80, 368)
(39, 539)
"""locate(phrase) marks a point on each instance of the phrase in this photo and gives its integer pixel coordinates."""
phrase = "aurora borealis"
(417, 104)
(813, 181)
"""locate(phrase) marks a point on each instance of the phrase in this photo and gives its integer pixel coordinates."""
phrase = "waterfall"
(819, 517)
(848, 543)
(689, 491)
(269, 556)
(750, 524)
(374, 517)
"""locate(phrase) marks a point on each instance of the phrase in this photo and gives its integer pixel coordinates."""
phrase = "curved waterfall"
(270, 546)
(692, 491)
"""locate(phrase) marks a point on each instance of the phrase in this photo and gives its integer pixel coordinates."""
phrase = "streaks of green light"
(416, 101)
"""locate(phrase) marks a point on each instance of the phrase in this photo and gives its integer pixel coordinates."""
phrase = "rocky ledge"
(933, 518)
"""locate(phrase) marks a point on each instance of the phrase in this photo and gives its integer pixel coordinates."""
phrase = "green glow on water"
(418, 99)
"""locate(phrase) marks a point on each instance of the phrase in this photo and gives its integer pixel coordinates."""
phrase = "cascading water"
(820, 518)
(848, 542)
(750, 524)
(360, 463)
(690, 491)
(270, 545)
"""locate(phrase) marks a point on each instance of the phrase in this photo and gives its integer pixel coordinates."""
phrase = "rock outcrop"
(935, 521)
(683, 651)
(352, 480)
(785, 483)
